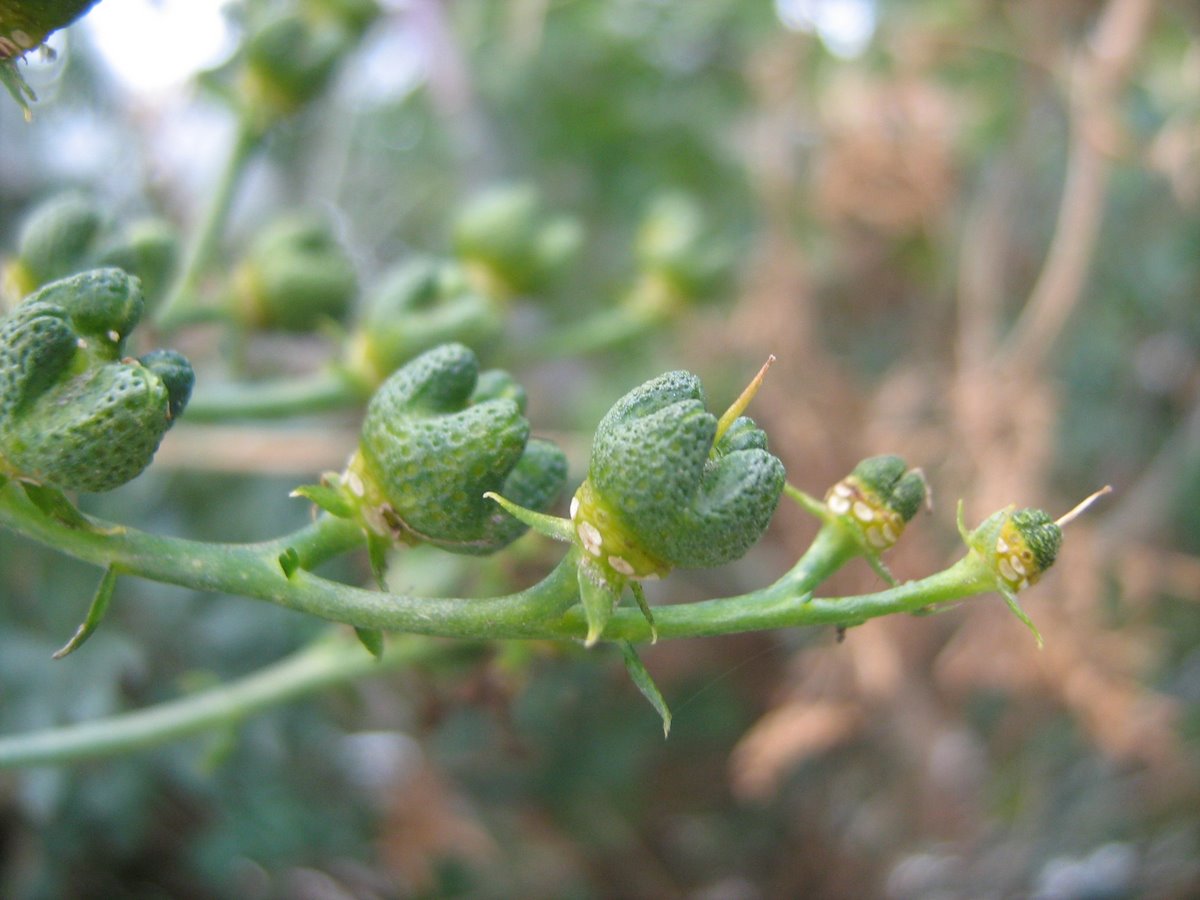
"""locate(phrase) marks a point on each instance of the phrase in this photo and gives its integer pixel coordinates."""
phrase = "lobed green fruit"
(436, 437)
(672, 493)
(74, 412)
(674, 245)
(291, 55)
(510, 242)
(295, 277)
(417, 306)
(57, 239)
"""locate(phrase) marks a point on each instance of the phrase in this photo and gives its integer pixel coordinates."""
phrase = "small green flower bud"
(419, 305)
(510, 244)
(56, 239)
(75, 414)
(295, 276)
(878, 498)
(433, 444)
(666, 489)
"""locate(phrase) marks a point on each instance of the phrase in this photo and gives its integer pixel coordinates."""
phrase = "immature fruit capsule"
(57, 238)
(1026, 546)
(67, 233)
(878, 499)
(290, 55)
(75, 413)
(437, 436)
(294, 277)
(674, 247)
(665, 490)
(417, 306)
(510, 244)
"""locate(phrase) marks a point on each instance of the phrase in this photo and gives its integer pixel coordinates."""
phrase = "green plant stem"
(541, 611)
(276, 399)
(604, 330)
(254, 570)
(547, 610)
(180, 304)
(330, 661)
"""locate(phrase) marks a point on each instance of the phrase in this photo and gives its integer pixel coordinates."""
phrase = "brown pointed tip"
(743, 400)
(1082, 507)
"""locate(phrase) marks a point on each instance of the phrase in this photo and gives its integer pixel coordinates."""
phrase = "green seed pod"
(103, 304)
(510, 244)
(147, 248)
(25, 24)
(419, 305)
(74, 414)
(1026, 547)
(57, 238)
(295, 277)
(878, 499)
(674, 246)
(290, 56)
(432, 444)
(665, 490)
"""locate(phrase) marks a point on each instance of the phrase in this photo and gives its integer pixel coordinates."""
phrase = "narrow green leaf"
(54, 503)
(289, 561)
(95, 613)
(372, 639)
(640, 596)
(875, 562)
(551, 526)
(641, 677)
(327, 498)
(598, 600)
(17, 87)
(377, 553)
(1011, 599)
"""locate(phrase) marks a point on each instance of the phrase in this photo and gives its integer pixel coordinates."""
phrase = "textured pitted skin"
(437, 436)
(1034, 539)
(683, 500)
(74, 413)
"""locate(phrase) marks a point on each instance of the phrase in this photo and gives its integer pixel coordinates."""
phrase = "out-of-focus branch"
(1098, 77)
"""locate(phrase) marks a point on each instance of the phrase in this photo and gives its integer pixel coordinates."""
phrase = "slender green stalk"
(320, 665)
(541, 611)
(276, 399)
(254, 570)
(180, 304)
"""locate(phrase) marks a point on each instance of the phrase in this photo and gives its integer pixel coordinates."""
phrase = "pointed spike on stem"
(743, 400)
(1082, 507)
